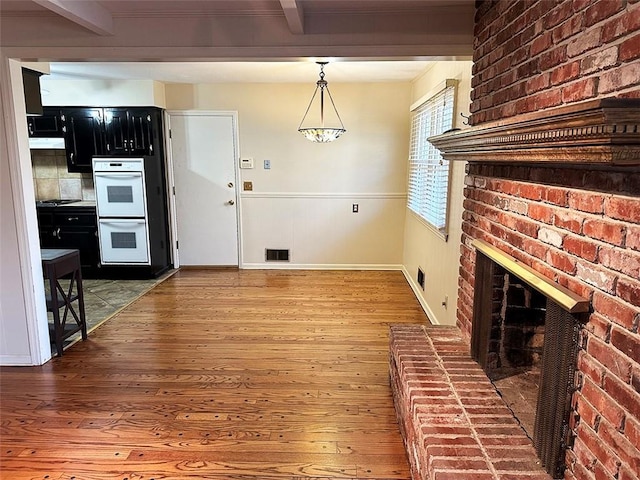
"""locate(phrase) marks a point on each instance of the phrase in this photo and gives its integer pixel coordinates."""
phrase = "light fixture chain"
(334, 108)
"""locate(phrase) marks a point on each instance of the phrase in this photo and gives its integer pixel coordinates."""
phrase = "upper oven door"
(119, 194)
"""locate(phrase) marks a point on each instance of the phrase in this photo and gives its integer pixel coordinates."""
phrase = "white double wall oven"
(121, 206)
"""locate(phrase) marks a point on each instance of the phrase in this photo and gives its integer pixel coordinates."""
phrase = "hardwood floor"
(220, 375)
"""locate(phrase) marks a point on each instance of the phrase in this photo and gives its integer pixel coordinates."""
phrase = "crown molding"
(604, 131)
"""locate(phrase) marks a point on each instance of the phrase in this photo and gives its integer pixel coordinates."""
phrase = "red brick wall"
(579, 226)
(531, 55)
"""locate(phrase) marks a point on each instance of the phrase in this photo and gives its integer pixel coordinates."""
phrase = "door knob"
(231, 202)
(230, 185)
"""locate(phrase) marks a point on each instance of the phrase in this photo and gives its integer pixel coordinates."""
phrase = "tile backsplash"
(51, 180)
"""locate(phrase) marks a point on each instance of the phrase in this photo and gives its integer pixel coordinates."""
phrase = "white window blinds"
(428, 171)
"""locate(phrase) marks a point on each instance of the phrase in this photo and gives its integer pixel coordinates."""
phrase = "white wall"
(24, 337)
(101, 93)
(304, 202)
(423, 247)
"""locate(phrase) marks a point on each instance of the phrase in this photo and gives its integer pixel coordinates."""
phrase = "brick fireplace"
(558, 191)
(554, 182)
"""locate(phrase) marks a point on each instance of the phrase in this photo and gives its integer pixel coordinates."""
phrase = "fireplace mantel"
(604, 131)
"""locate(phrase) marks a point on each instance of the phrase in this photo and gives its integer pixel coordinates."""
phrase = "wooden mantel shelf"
(604, 131)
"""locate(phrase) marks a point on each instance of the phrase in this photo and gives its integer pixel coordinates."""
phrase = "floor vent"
(275, 255)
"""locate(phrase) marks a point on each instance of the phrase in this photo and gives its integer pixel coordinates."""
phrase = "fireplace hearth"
(526, 340)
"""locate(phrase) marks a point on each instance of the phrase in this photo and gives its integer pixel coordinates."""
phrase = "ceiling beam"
(88, 14)
(294, 15)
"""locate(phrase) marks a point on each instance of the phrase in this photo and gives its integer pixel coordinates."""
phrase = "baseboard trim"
(16, 361)
(318, 266)
(417, 291)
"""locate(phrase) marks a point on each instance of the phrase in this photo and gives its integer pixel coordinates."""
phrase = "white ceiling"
(243, 72)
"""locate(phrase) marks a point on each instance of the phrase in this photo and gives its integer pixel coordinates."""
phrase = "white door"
(203, 151)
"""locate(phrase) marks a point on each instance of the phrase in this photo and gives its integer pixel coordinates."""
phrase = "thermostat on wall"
(246, 162)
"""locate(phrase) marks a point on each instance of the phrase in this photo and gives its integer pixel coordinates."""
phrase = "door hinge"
(174, 189)
(177, 245)
(170, 133)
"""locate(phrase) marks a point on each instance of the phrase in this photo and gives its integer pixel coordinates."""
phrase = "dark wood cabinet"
(49, 124)
(128, 131)
(72, 227)
(83, 136)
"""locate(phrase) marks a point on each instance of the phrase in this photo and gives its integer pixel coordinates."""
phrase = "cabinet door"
(116, 128)
(83, 136)
(47, 228)
(84, 239)
(78, 228)
(140, 131)
(47, 125)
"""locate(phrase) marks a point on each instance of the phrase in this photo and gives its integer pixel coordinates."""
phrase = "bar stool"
(58, 264)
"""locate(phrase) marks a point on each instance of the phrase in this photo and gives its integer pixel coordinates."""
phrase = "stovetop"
(54, 202)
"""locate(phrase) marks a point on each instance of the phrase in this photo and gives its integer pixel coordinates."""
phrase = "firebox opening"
(516, 344)
(525, 332)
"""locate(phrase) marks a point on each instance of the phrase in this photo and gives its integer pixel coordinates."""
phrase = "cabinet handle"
(72, 219)
(62, 117)
(30, 130)
(108, 147)
(56, 233)
(71, 157)
(64, 129)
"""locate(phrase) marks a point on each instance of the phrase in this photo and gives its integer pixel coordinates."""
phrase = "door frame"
(171, 177)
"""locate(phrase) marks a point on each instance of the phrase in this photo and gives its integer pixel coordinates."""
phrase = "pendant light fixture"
(322, 134)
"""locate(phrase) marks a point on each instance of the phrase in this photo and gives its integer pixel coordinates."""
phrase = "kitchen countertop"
(80, 203)
(83, 203)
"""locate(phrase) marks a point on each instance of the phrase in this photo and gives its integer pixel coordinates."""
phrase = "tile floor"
(103, 298)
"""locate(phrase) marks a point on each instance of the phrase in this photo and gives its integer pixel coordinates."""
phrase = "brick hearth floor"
(454, 424)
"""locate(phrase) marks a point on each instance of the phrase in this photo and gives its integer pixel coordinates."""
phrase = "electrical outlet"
(355, 207)
(446, 301)
(247, 186)
(267, 164)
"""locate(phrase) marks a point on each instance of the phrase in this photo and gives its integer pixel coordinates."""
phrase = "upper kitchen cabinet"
(121, 131)
(47, 125)
(130, 131)
(83, 136)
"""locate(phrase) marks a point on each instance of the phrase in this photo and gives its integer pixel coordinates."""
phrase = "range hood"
(32, 99)
(54, 143)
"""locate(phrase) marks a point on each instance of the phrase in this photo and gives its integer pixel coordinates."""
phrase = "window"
(428, 171)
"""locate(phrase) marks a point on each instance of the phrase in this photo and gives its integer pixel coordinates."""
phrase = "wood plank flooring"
(220, 375)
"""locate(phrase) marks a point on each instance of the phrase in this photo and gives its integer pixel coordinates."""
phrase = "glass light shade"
(321, 135)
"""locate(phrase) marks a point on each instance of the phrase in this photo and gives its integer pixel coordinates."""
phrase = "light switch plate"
(267, 164)
(246, 162)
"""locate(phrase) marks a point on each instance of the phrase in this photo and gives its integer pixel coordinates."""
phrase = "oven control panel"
(119, 165)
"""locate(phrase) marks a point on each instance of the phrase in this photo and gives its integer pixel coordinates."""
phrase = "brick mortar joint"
(580, 190)
(474, 433)
(567, 233)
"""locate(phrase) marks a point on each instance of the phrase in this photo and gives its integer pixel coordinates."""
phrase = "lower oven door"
(123, 241)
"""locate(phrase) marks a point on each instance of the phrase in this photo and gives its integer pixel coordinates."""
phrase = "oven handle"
(123, 220)
(118, 174)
